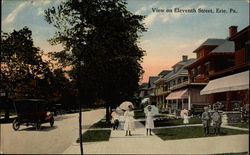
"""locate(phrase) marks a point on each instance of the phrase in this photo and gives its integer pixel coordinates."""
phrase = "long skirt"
(129, 124)
(186, 120)
(150, 123)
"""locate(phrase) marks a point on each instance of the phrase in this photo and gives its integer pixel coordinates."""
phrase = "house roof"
(211, 42)
(227, 46)
(164, 72)
(182, 70)
(238, 34)
(143, 85)
(151, 81)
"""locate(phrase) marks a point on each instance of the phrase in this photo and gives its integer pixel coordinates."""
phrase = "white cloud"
(202, 6)
(12, 16)
(40, 2)
(40, 11)
(145, 8)
(142, 9)
(150, 18)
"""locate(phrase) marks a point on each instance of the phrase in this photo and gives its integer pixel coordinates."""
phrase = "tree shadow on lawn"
(95, 136)
(192, 132)
(173, 122)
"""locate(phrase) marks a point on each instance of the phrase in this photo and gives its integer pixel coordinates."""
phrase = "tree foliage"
(22, 67)
(100, 40)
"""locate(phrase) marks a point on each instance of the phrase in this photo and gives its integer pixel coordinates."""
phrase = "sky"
(169, 34)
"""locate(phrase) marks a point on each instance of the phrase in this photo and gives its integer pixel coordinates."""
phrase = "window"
(247, 51)
(207, 68)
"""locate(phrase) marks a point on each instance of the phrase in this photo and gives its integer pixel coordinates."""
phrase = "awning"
(239, 81)
(181, 94)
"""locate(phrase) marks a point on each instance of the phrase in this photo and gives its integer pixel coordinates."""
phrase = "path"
(48, 140)
(139, 143)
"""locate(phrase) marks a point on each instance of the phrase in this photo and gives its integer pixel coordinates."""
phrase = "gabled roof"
(151, 80)
(182, 70)
(164, 72)
(143, 86)
(211, 42)
(227, 46)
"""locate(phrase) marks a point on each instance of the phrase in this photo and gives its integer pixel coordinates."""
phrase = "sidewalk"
(139, 143)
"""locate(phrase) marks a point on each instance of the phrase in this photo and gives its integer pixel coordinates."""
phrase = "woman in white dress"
(149, 121)
(129, 121)
(185, 119)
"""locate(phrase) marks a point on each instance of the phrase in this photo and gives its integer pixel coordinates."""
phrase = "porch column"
(182, 103)
(229, 101)
(189, 99)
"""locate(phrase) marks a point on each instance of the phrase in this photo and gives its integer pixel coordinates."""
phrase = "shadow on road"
(4, 121)
(43, 129)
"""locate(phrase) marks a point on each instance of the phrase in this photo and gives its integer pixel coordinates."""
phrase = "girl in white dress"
(129, 121)
(149, 121)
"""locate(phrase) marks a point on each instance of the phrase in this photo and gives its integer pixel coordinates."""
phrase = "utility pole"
(80, 105)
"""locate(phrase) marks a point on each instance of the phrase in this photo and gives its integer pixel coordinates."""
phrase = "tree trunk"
(107, 113)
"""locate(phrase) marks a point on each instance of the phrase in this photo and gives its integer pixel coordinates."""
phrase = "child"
(149, 121)
(216, 117)
(129, 122)
(115, 119)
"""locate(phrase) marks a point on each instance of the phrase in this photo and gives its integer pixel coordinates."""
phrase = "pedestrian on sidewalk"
(115, 119)
(184, 115)
(149, 121)
(216, 117)
(206, 119)
(129, 121)
(185, 119)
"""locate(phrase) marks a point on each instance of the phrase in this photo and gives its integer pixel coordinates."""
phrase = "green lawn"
(191, 132)
(241, 125)
(95, 136)
(101, 124)
(174, 122)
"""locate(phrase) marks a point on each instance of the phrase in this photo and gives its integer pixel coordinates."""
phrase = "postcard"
(124, 77)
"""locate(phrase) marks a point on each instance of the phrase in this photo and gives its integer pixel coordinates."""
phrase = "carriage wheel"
(38, 125)
(15, 125)
(51, 122)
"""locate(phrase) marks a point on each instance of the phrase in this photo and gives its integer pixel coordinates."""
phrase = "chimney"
(232, 30)
(184, 58)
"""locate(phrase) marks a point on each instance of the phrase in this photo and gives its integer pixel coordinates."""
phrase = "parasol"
(154, 109)
(119, 111)
(145, 100)
(125, 105)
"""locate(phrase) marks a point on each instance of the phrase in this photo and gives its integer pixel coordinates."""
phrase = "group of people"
(128, 119)
(206, 118)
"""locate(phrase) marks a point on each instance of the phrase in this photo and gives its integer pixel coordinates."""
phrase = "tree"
(102, 35)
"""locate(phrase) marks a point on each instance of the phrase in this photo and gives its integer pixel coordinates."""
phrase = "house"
(176, 87)
(230, 86)
(151, 88)
(143, 92)
(160, 88)
(213, 57)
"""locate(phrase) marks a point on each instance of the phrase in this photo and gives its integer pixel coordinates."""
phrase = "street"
(49, 140)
